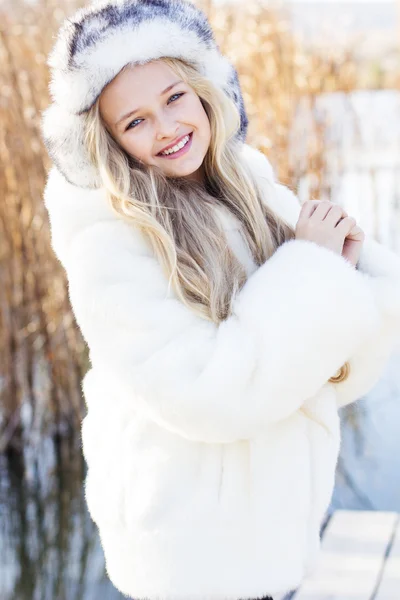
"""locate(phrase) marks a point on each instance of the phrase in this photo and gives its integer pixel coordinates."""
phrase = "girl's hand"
(327, 224)
(353, 244)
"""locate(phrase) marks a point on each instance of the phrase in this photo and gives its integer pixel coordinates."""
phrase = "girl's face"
(147, 109)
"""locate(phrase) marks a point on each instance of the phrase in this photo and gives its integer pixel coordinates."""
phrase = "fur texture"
(92, 47)
(211, 451)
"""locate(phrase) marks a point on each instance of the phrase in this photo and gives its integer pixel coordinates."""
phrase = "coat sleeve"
(381, 268)
(303, 313)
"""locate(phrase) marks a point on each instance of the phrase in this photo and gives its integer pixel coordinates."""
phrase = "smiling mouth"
(178, 151)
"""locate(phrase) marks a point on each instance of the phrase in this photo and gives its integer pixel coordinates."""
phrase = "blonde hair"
(177, 214)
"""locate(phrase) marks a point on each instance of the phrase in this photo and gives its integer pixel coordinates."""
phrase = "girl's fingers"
(308, 208)
(334, 214)
(345, 225)
(355, 230)
(356, 234)
(321, 207)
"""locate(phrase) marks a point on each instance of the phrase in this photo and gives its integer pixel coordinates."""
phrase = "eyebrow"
(132, 112)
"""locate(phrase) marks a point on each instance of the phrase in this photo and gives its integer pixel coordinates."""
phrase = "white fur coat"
(211, 450)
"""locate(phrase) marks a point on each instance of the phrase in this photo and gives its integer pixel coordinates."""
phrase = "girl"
(226, 323)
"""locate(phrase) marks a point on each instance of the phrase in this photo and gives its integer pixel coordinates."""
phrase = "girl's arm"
(297, 319)
(381, 268)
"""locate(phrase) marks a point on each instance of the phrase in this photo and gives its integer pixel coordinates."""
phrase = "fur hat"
(97, 42)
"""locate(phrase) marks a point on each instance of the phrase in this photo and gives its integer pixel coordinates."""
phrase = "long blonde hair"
(178, 215)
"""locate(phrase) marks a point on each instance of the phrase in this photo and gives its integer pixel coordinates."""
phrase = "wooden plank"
(352, 557)
(389, 588)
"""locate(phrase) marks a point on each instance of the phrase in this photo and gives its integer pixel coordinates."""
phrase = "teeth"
(178, 146)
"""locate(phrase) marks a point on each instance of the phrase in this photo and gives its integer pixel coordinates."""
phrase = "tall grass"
(42, 354)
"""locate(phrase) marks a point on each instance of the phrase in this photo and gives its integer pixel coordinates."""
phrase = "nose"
(167, 130)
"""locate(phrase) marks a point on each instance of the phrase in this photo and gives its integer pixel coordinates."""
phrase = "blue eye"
(131, 123)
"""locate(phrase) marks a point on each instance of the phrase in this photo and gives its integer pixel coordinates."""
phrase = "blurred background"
(321, 83)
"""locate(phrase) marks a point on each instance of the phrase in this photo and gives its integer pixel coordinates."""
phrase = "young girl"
(226, 323)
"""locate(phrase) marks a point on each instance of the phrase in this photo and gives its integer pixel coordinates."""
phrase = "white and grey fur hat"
(93, 46)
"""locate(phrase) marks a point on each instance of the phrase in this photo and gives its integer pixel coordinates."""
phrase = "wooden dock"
(360, 559)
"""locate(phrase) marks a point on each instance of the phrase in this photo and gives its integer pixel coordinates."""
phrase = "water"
(49, 546)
